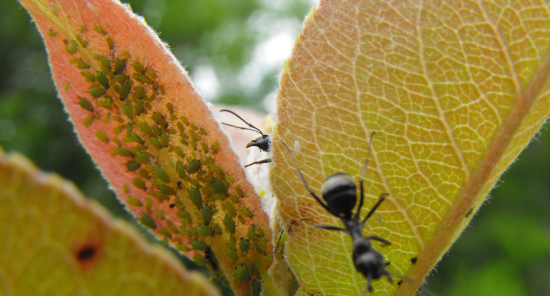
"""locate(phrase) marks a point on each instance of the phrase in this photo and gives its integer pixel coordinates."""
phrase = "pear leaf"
(454, 91)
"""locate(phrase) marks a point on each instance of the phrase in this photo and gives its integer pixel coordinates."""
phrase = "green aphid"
(139, 108)
(140, 92)
(124, 91)
(179, 151)
(144, 174)
(145, 156)
(198, 245)
(196, 197)
(156, 142)
(230, 208)
(52, 33)
(132, 166)
(146, 129)
(156, 130)
(262, 249)
(125, 152)
(180, 126)
(194, 166)
(88, 75)
(79, 38)
(194, 136)
(182, 248)
(102, 136)
(72, 47)
(136, 138)
(108, 117)
(102, 79)
(206, 214)
(239, 192)
(120, 66)
(146, 220)
(181, 172)
(73, 61)
(194, 127)
(229, 179)
(162, 175)
(215, 148)
(110, 43)
(244, 244)
(229, 224)
(251, 232)
(128, 109)
(241, 274)
(232, 255)
(118, 119)
(164, 232)
(184, 135)
(142, 78)
(153, 97)
(162, 90)
(121, 78)
(172, 228)
(134, 202)
(214, 168)
(202, 132)
(118, 130)
(184, 120)
(217, 229)
(170, 107)
(104, 61)
(139, 184)
(117, 142)
(199, 260)
(164, 139)
(219, 186)
(232, 243)
(83, 29)
(241, 219)
(148, 202)
(204, 230)
(245, 212)
(96, 91)
(81, 65)
(167, 190)
(85, 104)
(255, 288)
(159, 196)
(159, 119)
(99, 29)
(151, 73)
(106, 103)
(204, 147)
(138, 67)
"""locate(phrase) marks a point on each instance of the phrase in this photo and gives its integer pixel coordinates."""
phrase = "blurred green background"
(235, 50)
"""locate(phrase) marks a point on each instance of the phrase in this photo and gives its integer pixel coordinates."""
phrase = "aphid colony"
(126, 107)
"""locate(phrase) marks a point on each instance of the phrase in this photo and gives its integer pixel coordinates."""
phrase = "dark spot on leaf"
(413, 260)
(400, 282)
(172, 205)
(86, 253)
(469, 212)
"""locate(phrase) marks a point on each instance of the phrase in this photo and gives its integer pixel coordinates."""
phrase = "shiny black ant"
(340, 194)
(263, 142)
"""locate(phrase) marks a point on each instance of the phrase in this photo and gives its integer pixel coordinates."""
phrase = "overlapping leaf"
(153, 136)
(54, 242)
(454, 92)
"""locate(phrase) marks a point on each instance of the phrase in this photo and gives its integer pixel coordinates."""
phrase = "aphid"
(340, 194)
(263, 142)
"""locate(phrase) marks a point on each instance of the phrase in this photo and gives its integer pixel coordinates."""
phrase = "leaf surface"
(55, 242)
(454, 92)
(154, 138)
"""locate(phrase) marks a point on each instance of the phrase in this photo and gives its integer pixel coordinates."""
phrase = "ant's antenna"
(363, 172)
(253, 128)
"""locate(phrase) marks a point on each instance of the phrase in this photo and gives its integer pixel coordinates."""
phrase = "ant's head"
(263, 142)
(340, 193)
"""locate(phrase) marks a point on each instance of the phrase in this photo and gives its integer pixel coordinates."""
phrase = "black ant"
(340, 194)
(263, 142)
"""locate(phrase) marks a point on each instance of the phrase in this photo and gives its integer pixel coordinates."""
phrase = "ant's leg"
(267, 160)
(305, 184)
(388, 275)
(369, 279)
(328, 227)
(376, 238)
(363, 171)
(381, 199)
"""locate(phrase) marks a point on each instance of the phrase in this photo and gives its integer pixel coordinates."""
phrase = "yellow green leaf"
(153, 137)
(454, 92)
(55, 242)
